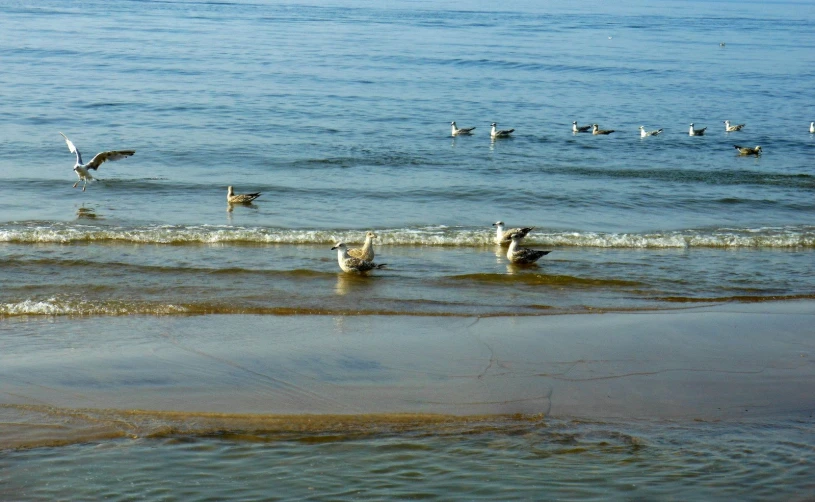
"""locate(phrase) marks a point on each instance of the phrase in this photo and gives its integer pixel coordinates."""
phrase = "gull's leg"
(77, 182)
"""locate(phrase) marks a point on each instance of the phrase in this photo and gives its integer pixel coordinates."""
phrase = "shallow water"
(339, 113)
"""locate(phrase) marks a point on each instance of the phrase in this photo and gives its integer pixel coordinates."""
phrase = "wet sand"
(65, 376)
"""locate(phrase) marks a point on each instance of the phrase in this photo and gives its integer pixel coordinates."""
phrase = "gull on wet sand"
(696, 132)
(523, 256)
(495, 133)
(645, 134)
(503, 236)
(464, 131)
(366, 252)
(351, 264)
(746, 150)
(732, 128)
(595, 129)
(576, 128)
(240, 198)
(83, 170)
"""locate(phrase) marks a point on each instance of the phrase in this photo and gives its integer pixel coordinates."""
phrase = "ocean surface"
(339, 113)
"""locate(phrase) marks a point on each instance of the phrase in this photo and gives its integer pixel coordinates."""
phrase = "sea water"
(339, 113)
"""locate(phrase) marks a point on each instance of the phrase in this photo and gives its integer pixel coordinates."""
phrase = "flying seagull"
(83, 170)
(464, 131)
(523, 256)
(503, 236)
(645, 134)
(503, 133)
(730, 128)
(351, 264)
(696, 132)
(241, 198)
(746, 150)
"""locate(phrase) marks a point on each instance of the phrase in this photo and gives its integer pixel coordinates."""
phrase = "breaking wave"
(68, 233)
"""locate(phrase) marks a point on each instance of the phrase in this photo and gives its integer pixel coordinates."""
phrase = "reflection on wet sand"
(86, 213)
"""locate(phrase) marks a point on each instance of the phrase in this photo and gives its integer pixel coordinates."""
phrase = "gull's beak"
(335, 247)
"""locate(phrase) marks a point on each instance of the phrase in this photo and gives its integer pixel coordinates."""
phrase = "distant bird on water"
(83, 170)
(577, 128)
(734, 128)
(523, 256)
(812, 127)
(351, 264)
(645, 134)
(696, 132)
(240, 198)
(595, 129)
(502, 236)
(464, 131)
(503, 133)
(746, 150)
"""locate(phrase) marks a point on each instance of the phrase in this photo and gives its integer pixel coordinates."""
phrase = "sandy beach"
(75, 379)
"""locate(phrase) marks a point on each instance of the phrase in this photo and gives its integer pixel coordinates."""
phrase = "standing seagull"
(746, 150)
(696, 132)
(576, 128)
(464, 131)
(351, 264)
(645, 134)
(366, 252)
(82, 170)
(495, 133)
(730, 128)
(503, 236)
(595, 129)
(241, 198)
(523, 256)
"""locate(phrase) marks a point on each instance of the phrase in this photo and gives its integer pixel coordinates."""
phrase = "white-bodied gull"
(576, 128)
(464, 131)
(732, 128)
(83, 170)
(496, 133)
(523, 256)
(645, 134)
(351, 264)
(502, 236)
(696, 132)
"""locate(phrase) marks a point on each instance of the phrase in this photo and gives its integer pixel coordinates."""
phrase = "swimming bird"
(577, 128)
(730, 128)
(240, 198)
(595, 129)
(366, 252)
(351, 264)
(696, 132)
(645, 134)
(523, 256)
(503, 236)
(461, 132)
(746, 150)
(495, 133)
(812, 127)
(83, 170)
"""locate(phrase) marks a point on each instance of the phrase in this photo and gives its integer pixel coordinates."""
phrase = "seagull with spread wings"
(83, 170)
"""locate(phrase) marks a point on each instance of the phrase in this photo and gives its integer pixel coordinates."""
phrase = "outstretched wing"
(72, 149)
(100, 158)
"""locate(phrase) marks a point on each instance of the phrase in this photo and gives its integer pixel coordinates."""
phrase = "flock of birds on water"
(360, 260)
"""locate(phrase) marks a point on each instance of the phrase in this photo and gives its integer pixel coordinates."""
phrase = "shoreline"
(724, 362)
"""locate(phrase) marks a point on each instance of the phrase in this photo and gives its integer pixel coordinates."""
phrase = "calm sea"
(339, 113)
